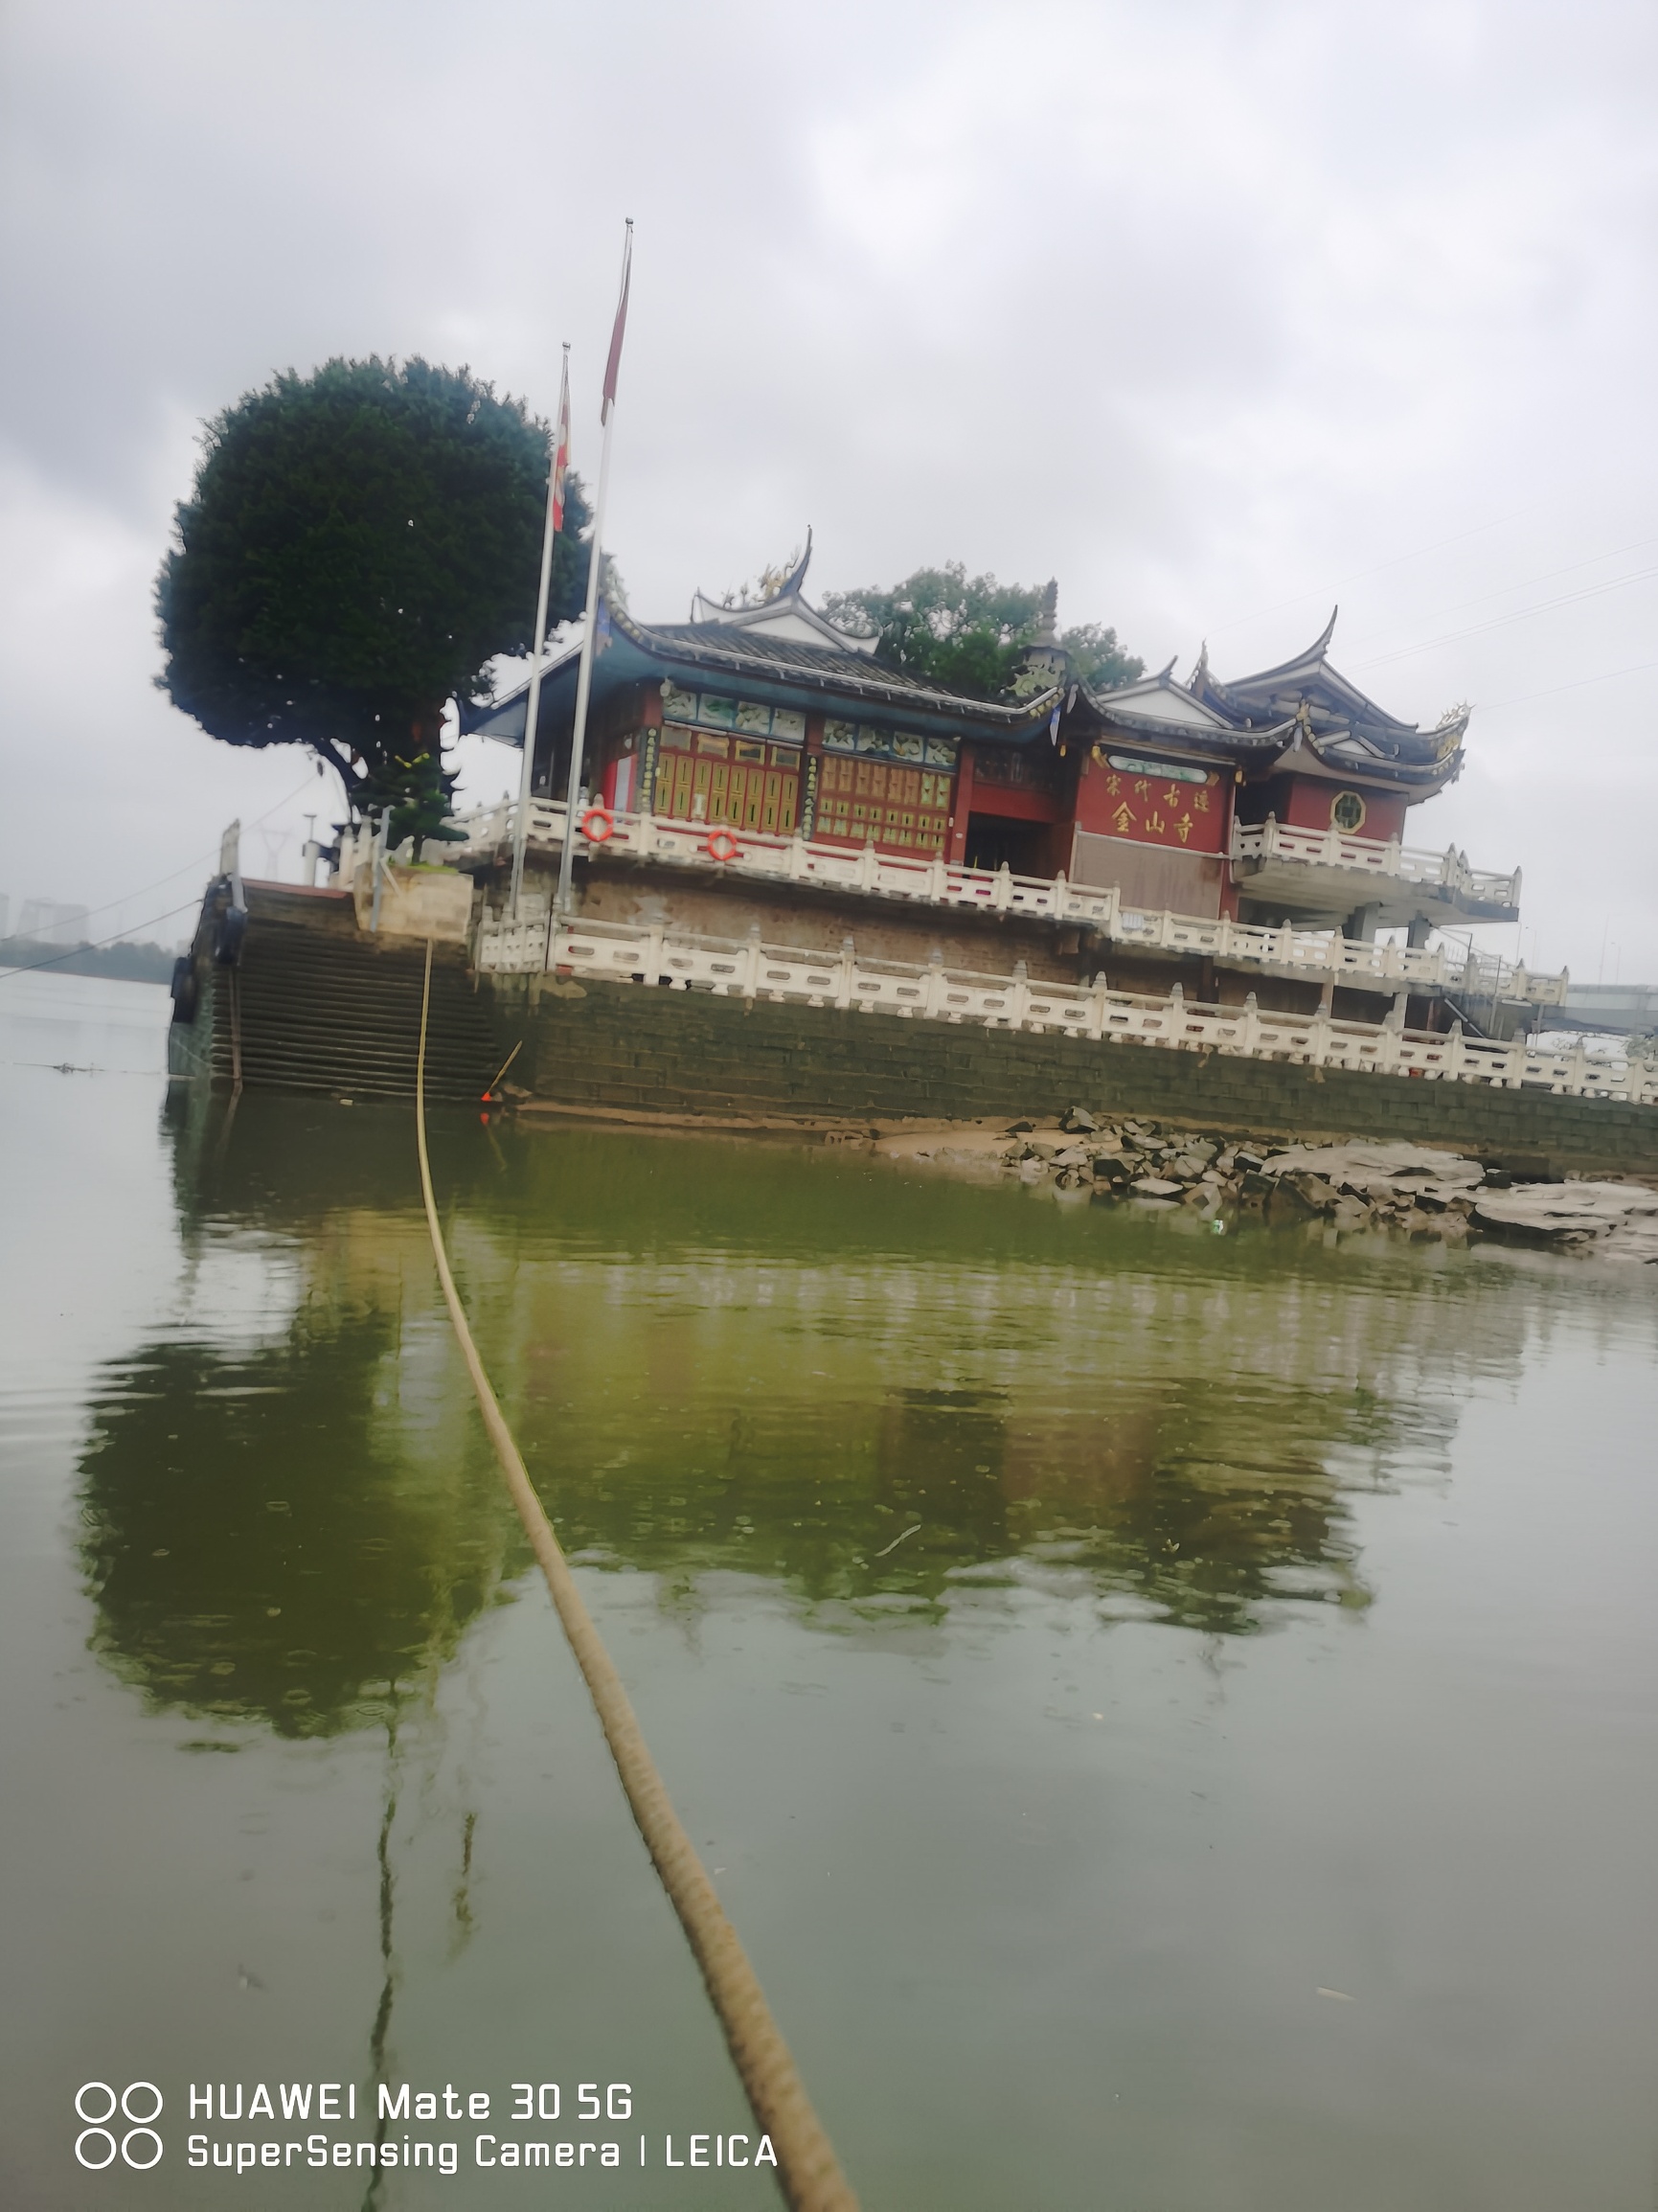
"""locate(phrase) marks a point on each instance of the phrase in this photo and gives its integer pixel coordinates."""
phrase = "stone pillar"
(810, 776)
(1361, 923)
(649, 748)
(1419, 931)
(961, 806)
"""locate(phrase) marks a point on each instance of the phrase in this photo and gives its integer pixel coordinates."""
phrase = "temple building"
(757, 768)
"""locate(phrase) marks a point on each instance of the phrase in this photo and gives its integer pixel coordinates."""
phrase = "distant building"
(49, 922)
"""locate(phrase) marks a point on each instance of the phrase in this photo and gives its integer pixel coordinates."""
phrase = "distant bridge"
(1612, 1009)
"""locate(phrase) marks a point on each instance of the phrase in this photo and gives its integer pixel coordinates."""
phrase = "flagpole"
(533, 709)
(595, 569)
(583, 680)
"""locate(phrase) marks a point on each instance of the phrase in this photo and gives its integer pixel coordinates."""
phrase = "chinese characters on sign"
(1159, 808)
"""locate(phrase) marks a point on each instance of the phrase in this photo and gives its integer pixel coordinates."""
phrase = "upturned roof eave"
(1268, 688)
(1234, 742)
(1311, 664)
(1421, 778)
(1422, 751)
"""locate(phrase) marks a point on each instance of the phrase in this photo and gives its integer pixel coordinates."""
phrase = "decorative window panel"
(745, 793)
(719, 711)
(903, 809)
(879, 742)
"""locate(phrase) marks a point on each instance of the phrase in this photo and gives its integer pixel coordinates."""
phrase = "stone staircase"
(323, 1006)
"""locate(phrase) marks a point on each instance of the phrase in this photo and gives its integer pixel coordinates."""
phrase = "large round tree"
(361, 543)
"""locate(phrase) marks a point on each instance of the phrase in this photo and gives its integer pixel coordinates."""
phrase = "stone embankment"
(1412, 1190)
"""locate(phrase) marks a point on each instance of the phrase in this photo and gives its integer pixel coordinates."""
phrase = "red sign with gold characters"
(1152, 802)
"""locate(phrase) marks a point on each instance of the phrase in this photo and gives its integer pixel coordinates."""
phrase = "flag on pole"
(561, 448)
(613, 366)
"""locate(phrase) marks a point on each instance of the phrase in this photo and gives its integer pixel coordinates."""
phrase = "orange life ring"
(605, 820)
(718, 836)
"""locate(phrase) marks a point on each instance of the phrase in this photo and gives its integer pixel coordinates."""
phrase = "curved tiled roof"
(736, 652)
(1337, 723)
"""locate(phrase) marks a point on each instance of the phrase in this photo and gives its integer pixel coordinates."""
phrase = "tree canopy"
(359, 544)
(970, 631)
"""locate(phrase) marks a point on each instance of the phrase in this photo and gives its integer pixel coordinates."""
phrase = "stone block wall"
(606, 1047)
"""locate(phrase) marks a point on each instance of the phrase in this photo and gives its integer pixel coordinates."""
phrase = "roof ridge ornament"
(794, 583)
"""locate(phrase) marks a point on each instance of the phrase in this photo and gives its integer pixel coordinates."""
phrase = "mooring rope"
(809, 2172)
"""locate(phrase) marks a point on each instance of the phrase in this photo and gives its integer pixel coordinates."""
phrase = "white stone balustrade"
(798, 860)
(1332, 848)
(1316, 953)
(787, 975)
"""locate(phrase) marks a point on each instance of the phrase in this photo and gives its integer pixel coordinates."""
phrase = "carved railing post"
(1002, 893)
(1018, 997)
(847, 973)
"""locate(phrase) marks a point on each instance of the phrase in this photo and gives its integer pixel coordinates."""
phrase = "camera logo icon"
(97, 2146)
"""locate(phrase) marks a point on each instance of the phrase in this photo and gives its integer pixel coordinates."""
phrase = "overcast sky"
(1220, 314)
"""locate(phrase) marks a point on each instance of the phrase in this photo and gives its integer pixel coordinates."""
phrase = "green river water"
(1172, 1717)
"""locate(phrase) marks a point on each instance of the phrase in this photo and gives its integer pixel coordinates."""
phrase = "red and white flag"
(613, 366)
(561, 448)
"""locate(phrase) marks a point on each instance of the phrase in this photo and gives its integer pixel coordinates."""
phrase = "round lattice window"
(1347, 811)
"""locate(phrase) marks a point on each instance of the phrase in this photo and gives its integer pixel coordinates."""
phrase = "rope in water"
(809, 2172)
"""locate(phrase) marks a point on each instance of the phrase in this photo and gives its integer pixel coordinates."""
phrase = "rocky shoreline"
(1409, 1190)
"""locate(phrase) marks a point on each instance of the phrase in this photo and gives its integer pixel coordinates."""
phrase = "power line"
(1519, 614)
(127, 898)
(98, 943)
(1577, 684)
(1358, 576)
(1548, 575)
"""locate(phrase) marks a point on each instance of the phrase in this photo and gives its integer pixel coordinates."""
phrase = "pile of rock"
(1407, 1188)
(1135, 1159)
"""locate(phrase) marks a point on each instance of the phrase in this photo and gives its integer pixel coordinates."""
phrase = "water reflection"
(254, 1551)
(882, 1399)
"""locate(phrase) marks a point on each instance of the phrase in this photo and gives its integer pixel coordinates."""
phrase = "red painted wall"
(1014, 805)
(1304, 803)
(962, 803)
